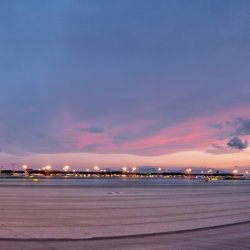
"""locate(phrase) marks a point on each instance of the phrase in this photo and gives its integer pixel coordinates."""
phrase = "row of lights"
(235, 171)
(65, 168)
(124, 169)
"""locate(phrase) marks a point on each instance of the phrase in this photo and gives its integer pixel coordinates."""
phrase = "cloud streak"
(94, 130)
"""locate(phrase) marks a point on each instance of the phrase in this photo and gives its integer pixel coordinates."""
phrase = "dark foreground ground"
(234, 237)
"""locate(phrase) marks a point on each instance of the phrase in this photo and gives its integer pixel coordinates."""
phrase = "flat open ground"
(229, 238)
(57, 212)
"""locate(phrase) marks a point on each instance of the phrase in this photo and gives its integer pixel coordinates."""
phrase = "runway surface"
(95, 212)
(234, 237)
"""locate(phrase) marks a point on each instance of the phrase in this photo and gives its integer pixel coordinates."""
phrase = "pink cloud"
(192, 134)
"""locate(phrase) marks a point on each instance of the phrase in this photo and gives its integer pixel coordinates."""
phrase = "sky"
(115, 83)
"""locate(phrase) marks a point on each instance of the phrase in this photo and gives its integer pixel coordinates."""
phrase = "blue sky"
(140, 78)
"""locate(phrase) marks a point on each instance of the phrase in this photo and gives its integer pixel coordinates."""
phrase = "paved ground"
(41, 216)
(78, 212)
(235, 237)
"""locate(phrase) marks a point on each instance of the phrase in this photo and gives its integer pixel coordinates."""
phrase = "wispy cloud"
(94, 130)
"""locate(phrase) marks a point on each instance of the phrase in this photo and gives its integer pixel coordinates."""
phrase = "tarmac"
(200, 216)
(234, 237)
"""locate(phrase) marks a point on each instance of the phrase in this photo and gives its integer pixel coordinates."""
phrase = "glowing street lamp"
(96, 168)
(235, 171)
(48, 167)
(66, 168)
(25, 169)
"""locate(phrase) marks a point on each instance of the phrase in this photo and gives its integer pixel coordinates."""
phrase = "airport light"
(235, 171)
(48, 167)
(25, 170)
(96, 168)
(66, 168)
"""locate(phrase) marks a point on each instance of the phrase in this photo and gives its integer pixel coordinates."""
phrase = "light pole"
(65, 169)
(25, 167)
(48, 169)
